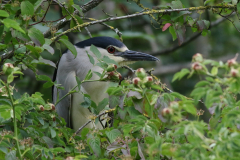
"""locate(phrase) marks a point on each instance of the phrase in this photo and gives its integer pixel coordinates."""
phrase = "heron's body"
(69, 67)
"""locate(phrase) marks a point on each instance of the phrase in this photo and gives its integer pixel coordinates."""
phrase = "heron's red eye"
(111, 49)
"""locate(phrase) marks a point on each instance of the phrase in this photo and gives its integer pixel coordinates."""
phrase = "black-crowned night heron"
(69, 67)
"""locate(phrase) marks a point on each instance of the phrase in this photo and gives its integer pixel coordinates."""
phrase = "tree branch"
(173, 68)
(105, 112)
(190, 39)
(143, 13)
(85, 8)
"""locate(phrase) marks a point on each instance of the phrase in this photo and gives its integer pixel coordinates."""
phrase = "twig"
(86, 7)
(230, 20)
(111, 27)
(140, 14)
(88, 32)
(43, 15)
(126, 67)
(62, 5)
(105, 112)
(190, 39)
(107, 14)
(145, 9)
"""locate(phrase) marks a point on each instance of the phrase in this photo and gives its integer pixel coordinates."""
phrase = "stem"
(149, 105)
(14, 122)
(71, 91)
(26, 151)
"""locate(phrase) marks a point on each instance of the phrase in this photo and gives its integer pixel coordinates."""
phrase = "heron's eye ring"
(111, 49)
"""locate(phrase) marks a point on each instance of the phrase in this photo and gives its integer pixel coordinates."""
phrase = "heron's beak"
(136, 56)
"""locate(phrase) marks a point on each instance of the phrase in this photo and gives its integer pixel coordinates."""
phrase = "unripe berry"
(234, 72)
(136, 81)
(140, 73)
(166, 112)
(197, 66)
(148, 81)
(231, 62)
(111, 74)
(111, 67)
(197, 57)
(8, 68)
(52, 106)
(40, 107)
(174, 105)
(114, 76)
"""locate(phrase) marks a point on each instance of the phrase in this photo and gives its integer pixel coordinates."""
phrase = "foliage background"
(144, 34)
(140, 35)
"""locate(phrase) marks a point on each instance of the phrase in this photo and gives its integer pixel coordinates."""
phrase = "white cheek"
(116, 58)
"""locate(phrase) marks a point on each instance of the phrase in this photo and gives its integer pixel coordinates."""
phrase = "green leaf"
(43, 78)
(91, 59)
(11, 155)
(84, 133)
(70, 46)
(9, 23)
(207, 1)
(95, 51)
(53, 132)
(47, 62)
(214, 71)
(113, 134)
(48, 48)
(95, 145)
(102, 104)
(10, 78)
(6, 114)
(79, 9)
(207, 23)
(5, 101)
(3, 13)
(86, 103)
(89, 75)
(48, 84)
(177, 4)
(173, 33)
(2, 46)
(58, 149)
(78, 82)
(73, 23)
(202, 83)
(189, 107)
(108, 60)
(36, 36)
(27, 8)
(238, 7)
(181, 74)
(37, 4)
(97, 73)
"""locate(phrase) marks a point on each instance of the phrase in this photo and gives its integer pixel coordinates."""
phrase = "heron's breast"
(97, 90)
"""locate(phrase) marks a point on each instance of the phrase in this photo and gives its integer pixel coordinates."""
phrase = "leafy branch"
(143, 13)
(85, 8)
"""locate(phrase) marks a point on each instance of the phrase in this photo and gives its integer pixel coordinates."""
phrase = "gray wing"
(66, 78)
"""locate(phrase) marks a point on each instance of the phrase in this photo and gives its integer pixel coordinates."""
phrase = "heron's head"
(116, 50)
